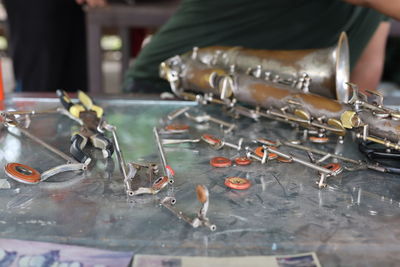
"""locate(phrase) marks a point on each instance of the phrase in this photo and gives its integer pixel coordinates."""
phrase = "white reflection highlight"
(12, 149)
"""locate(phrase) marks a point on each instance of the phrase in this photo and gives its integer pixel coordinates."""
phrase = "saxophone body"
(322, 71)
(256, 97)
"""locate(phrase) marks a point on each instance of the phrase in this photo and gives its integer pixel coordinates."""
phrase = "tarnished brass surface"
(201, 72)
(327, 67)
(200, 79)
(267, 95)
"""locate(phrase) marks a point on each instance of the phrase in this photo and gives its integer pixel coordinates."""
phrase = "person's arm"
(368, 70)
(390, 8)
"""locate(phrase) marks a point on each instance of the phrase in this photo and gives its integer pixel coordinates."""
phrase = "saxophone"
(257, 97)
(321, 71)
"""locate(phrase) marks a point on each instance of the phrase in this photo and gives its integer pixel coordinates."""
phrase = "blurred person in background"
(48, 43)
(270, 24)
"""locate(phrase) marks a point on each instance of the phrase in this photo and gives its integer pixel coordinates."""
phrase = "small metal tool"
(217, 143)
(206, 118)
(237, 147)
(168, 171)
(313, 150)
(179, 141)
(128, 176)
(25, 174)
(201, 219)
(91, 116)
(176, 113)
(324, 172)
(356, 164)
(301, 161)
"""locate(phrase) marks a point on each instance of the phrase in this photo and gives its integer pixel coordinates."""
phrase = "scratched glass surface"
(352, 221)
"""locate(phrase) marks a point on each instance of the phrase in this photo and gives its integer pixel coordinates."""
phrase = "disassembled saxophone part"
(22, 173)
(365, 166)
(297, 145)
(27, 114)
(28, 175)
(242, 161)
(261, 151)
(250, 155)
(206, 118)
(322, 181)
(234, 146)
(301, 161)
(25, 174)
(250, 113)
(350, 119)
(120, 155)
(237, 183)
(357, 164)
(179, 141)
(132, 171)
(175, 114)
(335, 167)
(201, 219)
(152, 169)
(168, 171)
(220, 162)
(62, 168)
(267, 142)
(311, 157)
(175, 129)
(217, 143)
(213, 141)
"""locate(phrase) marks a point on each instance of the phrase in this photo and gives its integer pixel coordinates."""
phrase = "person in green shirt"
(266, 24)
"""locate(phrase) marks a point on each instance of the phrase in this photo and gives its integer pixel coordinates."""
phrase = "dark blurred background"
(114, 53)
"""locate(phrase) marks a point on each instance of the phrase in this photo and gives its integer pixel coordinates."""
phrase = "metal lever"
(176, 113)
(120, 156)
(250, 155)
(47, 146)
(62, 168)
(206, 118)
(301, 161)
(201, 219)
(234, 146)
(168, 171)
(217, 143)
(179, 141)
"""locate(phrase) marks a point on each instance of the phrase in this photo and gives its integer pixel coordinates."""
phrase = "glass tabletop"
(353, 221)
